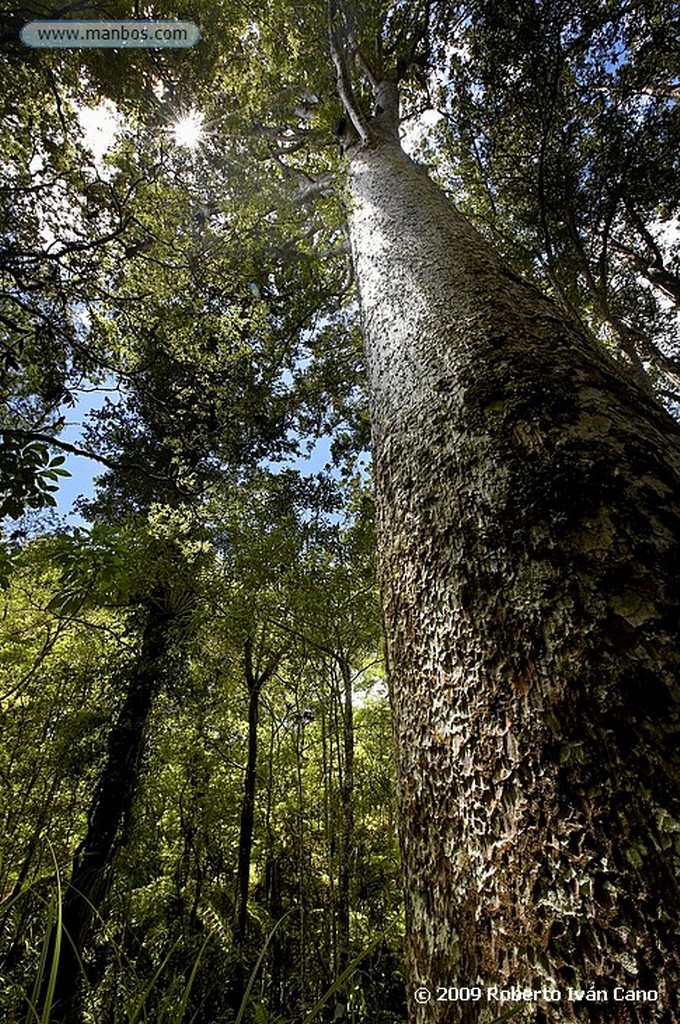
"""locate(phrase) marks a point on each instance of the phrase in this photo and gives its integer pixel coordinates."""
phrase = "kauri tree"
(528, 530)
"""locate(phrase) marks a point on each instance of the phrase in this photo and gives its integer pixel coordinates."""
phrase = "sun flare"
(187, 130)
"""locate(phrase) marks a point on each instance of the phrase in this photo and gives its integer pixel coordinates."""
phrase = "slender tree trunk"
(107, 818)
(328, 777)
(529, 531)
(347, 800)
(245, 844)
(301, 866)
(254, 683)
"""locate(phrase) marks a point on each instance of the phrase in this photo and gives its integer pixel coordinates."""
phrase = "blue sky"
(82, 470)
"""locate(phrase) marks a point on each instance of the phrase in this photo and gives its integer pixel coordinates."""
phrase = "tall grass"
(173, 1006)
(54, 928)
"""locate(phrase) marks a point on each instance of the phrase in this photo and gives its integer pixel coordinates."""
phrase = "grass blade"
(342, 978)
(256, 968)
(181, 1010)
(54, 966)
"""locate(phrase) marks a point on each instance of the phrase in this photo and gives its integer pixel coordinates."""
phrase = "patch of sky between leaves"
(84, 471)
(100, 126)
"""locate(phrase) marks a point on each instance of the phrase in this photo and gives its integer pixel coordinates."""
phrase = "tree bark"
(528, 529)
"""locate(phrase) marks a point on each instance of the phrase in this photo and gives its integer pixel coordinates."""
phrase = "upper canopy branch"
(74, 449)
(347, 51)
(338, 49)
(366, 68)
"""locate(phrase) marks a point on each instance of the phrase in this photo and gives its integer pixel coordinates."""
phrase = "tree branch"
(655, 272)
(343, 77)
(366, 68)
(72, 449)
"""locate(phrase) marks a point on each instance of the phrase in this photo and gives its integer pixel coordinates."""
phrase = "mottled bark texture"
(529, 539)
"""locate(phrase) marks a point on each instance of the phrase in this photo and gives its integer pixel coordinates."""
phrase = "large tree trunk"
(529, 533)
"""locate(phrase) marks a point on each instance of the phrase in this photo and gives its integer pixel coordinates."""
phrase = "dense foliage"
(195, 727)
